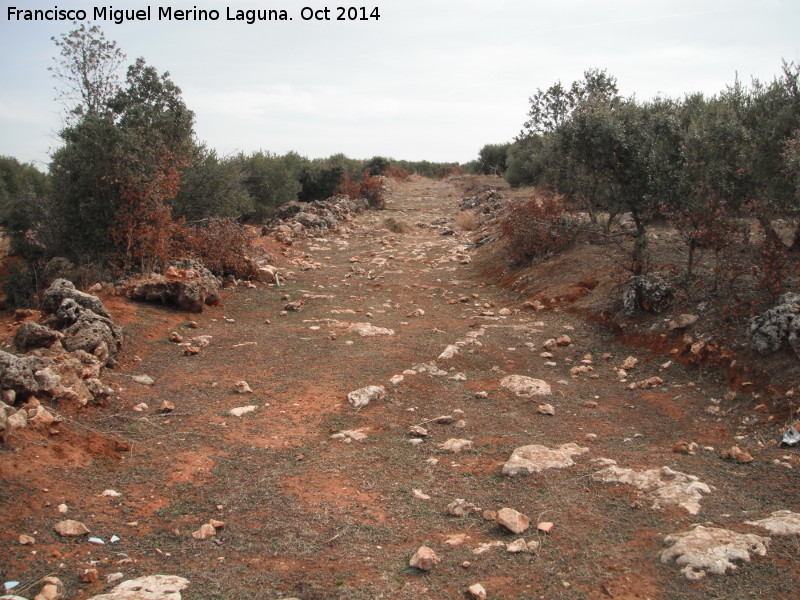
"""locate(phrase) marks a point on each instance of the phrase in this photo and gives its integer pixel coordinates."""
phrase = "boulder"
(61, 290)
(18, 374)
(513, 520)
(361, 397)
(648, 293)
(187, 284)
(424, 559)
(768, 331)
(535, 458)
(525, 386)
(31, 335)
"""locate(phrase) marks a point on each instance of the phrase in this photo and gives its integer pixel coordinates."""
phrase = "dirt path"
(308, 515)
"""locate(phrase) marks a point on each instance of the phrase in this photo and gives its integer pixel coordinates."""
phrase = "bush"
(538, 227)
(466, 220)
(368, 187)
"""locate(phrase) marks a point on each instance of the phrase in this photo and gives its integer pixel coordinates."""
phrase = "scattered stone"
(206, 531)
(31, 335)
(629, 363)
(664, 486)
(397, 379)
(191, 351)
(646, 384)
(419, 495)
(369, 330)
(705, 550)
(545, 526)
(526, 386)
(449, 352)
(536, 458)
(362, 397)
(546, 409)
(350, 435)
(477, 591)
(153, 587)
(242, 410)
(167, 406)
(26, 540)
(70, 528)
(563, 340)
(417, 431)
(684, 447)
(90, 576)
(782, 522)
(141, 407)
(485, 547)
(482, 395)
(242, 387)
(649, 293)
(768, 331)
(512, 520)
(424, 559)
(143, 379)
(445, 420)
(456, 445)
(737, 454)
(52, 589)
(461, 508)
(683, 321)
(111, 494)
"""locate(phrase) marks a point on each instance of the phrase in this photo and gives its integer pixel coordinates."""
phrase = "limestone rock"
(513, 520)
(705, 550)
(70, 528)
(782, 522)
(664, 486)
(535, 458)
(477, 591)
(768, 331)
(525, 386)
(61, 290)
(683, 321)
(369, 330)
(153, 587)
(455, 445)
(424, 559)
(649, 293)
(242, 410)
(143, 380)
(449, 352)
(206, 531)
(189, 286)
(546, 409)
(53, 589)
(31, 335)
(361, 397)
(460, 508)
(242, 387)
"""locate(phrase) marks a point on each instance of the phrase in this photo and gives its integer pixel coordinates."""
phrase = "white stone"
(369, 330)
(143, 379)
(449, 352)
(536, 458)
(70, 528)
(526, 386)
(153, 587)
(361, 397)
(476, 590)
(782, 522)
(242, 410)
(663, 486)
(711, 550)
(242, 387)
(456, 445)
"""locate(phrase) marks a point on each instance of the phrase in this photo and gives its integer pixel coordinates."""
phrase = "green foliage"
(24, 192)
(493, 159)
(212, 187)
(270, 180)
(319, 182)
(378, 165)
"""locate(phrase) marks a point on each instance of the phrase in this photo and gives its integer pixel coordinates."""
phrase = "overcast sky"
(431, 79)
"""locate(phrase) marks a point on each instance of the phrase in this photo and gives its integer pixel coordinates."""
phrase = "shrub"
(538, 227)
(466, 220)
(368, 187)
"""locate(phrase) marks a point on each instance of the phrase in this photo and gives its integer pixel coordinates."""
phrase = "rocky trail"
(390, 424)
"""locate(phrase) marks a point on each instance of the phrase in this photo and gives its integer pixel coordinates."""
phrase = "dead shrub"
(396, 226)
(538, 227)
(467, 220)
(221, 245)
(368, 187)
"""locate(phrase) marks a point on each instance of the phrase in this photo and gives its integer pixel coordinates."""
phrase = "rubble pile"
(297, 220)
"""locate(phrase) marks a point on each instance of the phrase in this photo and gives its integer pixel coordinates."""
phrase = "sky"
(429, 80)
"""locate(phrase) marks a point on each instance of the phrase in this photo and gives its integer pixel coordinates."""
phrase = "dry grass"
(466, 220)
(396, 226)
